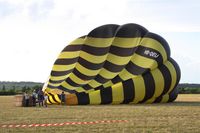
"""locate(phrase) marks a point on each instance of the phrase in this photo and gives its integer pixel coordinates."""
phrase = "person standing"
(45, 99)
(40, 97)
(26, 97)
(63, 99)
(34, 96)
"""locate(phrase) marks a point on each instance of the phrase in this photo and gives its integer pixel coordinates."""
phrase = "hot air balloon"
(114, 64)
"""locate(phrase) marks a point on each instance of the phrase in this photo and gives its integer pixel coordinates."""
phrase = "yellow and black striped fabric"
(115, 64)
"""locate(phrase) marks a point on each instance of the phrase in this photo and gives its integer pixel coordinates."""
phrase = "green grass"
(181, 116)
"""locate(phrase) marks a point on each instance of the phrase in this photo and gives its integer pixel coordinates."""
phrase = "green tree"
(14, 88)
(37, 87)
(24, 88)
(4, 88)
(28, 89)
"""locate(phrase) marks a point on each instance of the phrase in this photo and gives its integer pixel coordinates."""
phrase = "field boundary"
(60, 124)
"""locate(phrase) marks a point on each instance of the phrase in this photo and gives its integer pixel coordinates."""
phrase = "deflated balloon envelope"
(115, 64)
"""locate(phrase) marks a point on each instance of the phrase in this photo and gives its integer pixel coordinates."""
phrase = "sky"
(33, 32)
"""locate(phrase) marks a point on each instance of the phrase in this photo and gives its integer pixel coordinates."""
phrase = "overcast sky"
(33, 32)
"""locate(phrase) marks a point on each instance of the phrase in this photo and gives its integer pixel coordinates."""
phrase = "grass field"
(182, 116)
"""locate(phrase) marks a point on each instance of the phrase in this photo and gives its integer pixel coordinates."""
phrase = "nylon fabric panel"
(174, 93)
(57, 98)
(99, 87)
(100, 79)
(53, 85)
(159, 85)
(150, 53)
(69, 55)
(143, 62)
(135, 69)
(77, 81)
(77, 42)
(158, 99)
(167, 83)
(63, 67)
(72, 48)
(55, 81)
(58, 78)
(62, 88)
(131, 30)
(173, 75)
(117, 93)
(54, 91)
(178, 71)
(86, 71)
(117, 79)
(129, 91)
(94, 84)
(161, 40)
(105, 31)
(108, 84)
(87, 87)
(89, 91)
(165, 98)
(106, 95)
(153, 44)
(68, 86)
(126, 42)
(52, 100)
(80, 89)
(149, 87)
(107, 74)
(122, 51)
(95, 97)
(121, 60)
(98, 42)
(139, 86)
(167, 78)
(66, 61)
(83, 98)
(72, 83)
(90, 65)
(113, 67)
(60, 73)
(90, 58)
(48, 101)
(94, 50)
(82, 76)
(124, 75)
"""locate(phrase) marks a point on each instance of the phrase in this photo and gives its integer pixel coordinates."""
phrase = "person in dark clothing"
(63, 98)
(40, 97)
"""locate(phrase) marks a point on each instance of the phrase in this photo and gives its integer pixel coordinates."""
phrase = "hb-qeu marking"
(151, 53)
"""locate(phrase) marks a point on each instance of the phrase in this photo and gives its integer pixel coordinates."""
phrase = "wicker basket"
(19, 100)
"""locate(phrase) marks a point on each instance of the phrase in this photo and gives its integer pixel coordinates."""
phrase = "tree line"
(186, 88)
(13, 88)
